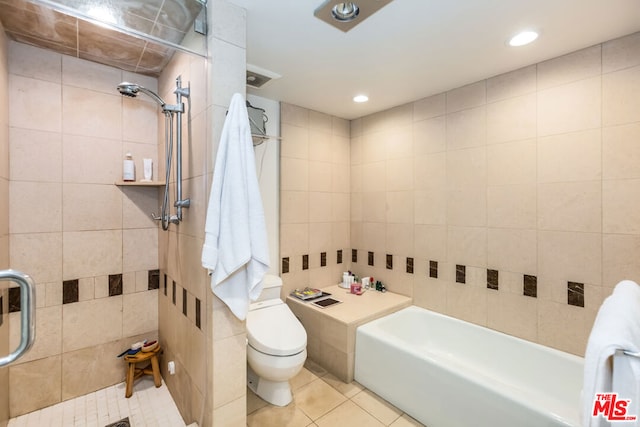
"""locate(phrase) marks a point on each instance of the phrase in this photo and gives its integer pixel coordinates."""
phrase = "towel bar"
(632, 354)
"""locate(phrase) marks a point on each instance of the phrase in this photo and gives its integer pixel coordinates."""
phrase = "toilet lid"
(276, 331)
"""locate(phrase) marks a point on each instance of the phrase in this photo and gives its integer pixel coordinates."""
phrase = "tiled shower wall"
(315, 205)
(4, 225)
(90, 245)
(518, 193)
(198, 332)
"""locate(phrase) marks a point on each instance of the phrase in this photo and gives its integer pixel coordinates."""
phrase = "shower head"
(132, 89)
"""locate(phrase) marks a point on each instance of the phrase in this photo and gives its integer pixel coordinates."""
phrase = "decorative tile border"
(530, 286)
(433, 269)
(461, 273)
(186, 306)
(492, 279)
(70, 291)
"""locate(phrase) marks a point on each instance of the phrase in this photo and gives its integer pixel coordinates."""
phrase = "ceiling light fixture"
(345, 12)
(360, 98)
(522, 38)
(344, 15)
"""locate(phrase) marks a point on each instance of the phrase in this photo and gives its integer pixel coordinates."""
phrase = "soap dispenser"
(128, 168)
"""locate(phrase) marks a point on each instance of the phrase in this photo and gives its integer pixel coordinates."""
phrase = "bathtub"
(445, 372)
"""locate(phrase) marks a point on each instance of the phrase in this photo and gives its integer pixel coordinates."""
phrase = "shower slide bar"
(27, 313)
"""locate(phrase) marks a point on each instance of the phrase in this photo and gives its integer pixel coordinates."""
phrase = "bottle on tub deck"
(128, 168)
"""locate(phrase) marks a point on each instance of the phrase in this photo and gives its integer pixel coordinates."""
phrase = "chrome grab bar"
(27, 313)
(630, 353)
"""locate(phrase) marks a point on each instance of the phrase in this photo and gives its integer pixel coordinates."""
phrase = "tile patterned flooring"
(322, 400)
(148, 407)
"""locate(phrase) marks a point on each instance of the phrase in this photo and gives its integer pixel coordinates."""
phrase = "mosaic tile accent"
(575, 294)
(154, 279)
(339, 256)
(323, 259)
(184, 301)
(461, 274)
(198, 318)
(14, 300)
(165, 285)
(492, 279)
(173, 293)
(305, 262)
(1, 310)
(70, 291)
(389, 262)
(285, 265)
(410, 265)
(530, 286)
(433, 269)
(354, 255)
(115, 284)
(370, 259)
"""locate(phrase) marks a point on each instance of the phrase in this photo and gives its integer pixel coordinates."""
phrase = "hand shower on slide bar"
(132, 90)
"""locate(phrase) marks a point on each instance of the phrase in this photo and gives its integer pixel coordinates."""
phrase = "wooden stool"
(134, 373)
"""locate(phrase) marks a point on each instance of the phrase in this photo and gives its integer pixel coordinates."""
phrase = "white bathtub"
(445, 372)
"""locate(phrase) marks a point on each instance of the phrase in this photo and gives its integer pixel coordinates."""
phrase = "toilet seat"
(275, 331)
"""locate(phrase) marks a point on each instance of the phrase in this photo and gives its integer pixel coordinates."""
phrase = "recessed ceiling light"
(345, 12)
(360, 98)
(523, 38)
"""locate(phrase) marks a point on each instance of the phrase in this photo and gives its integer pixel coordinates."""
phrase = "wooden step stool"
(134, 373)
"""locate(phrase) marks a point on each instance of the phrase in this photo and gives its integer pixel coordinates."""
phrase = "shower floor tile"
(148, 407)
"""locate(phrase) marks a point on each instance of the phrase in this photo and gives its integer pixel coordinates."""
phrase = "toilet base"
(277, 393)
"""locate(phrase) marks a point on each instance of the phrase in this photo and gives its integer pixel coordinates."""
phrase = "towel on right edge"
(617, 326)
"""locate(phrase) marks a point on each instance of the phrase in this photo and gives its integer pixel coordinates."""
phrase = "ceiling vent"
(258, 77)
(346, 15)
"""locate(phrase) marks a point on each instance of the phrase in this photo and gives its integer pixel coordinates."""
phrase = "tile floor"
(322, 400)
(148, 407)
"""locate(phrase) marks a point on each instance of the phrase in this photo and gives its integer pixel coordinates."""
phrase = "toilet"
(276, 345)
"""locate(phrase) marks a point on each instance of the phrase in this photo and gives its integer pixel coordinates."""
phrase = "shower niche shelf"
(139, 184)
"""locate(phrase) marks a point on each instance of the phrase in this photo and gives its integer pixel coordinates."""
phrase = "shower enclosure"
(169, 111)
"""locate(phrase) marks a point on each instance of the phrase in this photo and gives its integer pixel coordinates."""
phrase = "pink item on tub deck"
(356, 288)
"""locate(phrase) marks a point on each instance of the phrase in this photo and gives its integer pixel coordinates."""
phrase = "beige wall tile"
(620, 253)
(620, 201)
(341, 127)
(233, 414)
(140, 313)
(98, 115)
(468, 96)
(374, 176)
(90, 75)
(429, 136)
(320, 145)
(140, 249)
(621, 152)
(430, 171)
(227, 69)
(513, 314)
(570, 107)
(400, 207)
(512, 119)
(393, 117)
(37, 104)
(140, 118)
(620, 97)
(430, 207)
(34, 62)
(138, 203)
(621, 53)
(430, 242)
(373, 239)
(511, 163)
(583, 148)
(374, 147)
(466, 168)
(39, 254)
(294, 174)
(28, 202)
(49, 330)
(319, 176)
(467, 246)
(468, 303)
(35, 155)
(573, 206)
(400, 242)
(92, 253)
(319, 238)
(91, 160)
(89, 323)
(294, 238)
(576, 325)
(28, 391)
(467, 128)
(320, 207)
(229, 359)
(514, 83)
(432, 106)
(467, 207)
(400, 143)
(569, 68)
(294, 207)
(320, 121)
(399, 175)
(295, 141)
(512, 206)
(512, 250)
(292, 114)
(91, 207)
(570, 256)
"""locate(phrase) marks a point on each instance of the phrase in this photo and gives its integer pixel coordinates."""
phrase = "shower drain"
(122, 423)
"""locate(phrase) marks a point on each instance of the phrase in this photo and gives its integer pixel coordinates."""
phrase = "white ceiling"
(411, 49)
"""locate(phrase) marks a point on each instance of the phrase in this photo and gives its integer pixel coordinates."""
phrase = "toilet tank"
(271, 286)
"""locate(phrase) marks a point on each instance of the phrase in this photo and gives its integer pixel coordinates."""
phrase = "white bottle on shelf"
(128, 168)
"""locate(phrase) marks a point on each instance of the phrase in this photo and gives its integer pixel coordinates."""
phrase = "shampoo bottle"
(128, 169)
